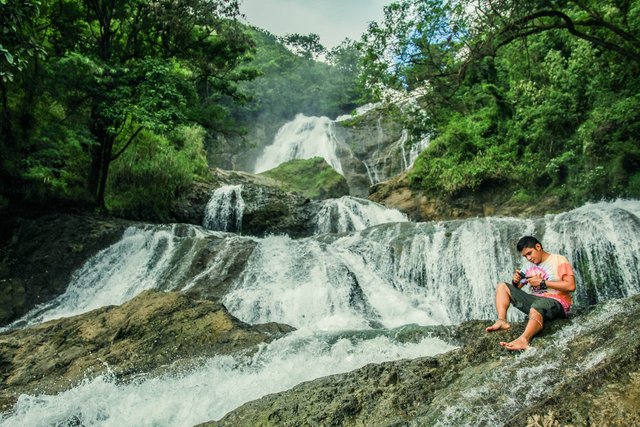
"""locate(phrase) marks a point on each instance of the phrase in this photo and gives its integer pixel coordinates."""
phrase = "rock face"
(370, 149)
(37, 256)
(141, 336)
(581, 372)
(397, 193)
(268, 206)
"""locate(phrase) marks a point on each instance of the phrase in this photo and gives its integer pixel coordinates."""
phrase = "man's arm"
(566, 284)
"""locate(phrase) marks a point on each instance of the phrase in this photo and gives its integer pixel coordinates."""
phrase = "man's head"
(531, 248)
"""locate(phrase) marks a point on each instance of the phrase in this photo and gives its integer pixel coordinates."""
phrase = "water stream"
(346, 293)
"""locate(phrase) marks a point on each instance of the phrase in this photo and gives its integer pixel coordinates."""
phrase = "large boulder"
(581, 372)
(146, 334)
(270, 206)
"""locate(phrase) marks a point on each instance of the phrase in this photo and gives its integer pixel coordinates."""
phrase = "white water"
(306, 137)
(153, 257)
(225, 209)
(351, 213)
(414, 151)
(223, 383)
(303, 138)
(355, 285)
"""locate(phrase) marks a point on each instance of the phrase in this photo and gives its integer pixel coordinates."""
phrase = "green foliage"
(518, 102)
(77, 75)
(151, 174)
(18, 43)
(465, 156)
(611, 149)
(313, 178)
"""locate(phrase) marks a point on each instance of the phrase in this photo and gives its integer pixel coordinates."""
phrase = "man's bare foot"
(519, 343)
(499, 325)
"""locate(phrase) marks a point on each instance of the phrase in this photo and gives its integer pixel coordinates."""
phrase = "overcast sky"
(332, 20)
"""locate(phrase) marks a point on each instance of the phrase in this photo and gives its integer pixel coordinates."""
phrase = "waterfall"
(347, 294)
(151, 257)
(414, 151)
(303, 138)
(225, 209)
(398, 157)
(351, 213)
(388, 274)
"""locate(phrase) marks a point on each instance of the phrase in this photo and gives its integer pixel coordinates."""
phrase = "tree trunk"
(104, 172)
(100, 159)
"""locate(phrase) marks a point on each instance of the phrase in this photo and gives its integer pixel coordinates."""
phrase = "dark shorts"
(548, 307)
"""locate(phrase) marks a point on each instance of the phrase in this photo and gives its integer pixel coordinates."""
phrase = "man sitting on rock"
(551, 279)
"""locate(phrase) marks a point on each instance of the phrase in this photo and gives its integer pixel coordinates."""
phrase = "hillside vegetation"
(538, 98)
(121, 106)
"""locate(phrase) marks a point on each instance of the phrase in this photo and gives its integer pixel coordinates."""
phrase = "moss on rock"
(313, 178)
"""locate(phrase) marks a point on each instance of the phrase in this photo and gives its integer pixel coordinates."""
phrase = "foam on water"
(221, 384)
(351, 213)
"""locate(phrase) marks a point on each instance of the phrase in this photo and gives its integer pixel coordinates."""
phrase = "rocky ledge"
(580, 372)
(153, 332)
(270, 206)
(420, 205)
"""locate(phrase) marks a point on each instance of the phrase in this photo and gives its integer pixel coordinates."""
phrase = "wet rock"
(581, 372)
(146, 334)
(270, 206)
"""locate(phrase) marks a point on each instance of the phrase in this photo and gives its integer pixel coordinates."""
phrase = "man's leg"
(534, 326)
(541, 309)
(503, 300)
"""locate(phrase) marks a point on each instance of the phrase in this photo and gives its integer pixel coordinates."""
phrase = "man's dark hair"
(527, 242)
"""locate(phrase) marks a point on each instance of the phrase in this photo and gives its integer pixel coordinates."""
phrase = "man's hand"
(517, 277)
(535, 280)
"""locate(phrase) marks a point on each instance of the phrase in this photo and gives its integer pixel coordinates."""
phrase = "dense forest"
(114, 105)
(538, 97)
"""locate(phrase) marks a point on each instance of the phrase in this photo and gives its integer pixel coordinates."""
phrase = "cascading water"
(396, 158)
(409, 157)
(351, 213)
(307, 137)
(345, 294)
(225, 209)
(212, 390)
(303, 138)
(153, 257)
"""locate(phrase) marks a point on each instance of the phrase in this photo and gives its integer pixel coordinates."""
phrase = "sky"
(332, 20)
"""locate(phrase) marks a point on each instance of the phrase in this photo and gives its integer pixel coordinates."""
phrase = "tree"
(308, 46)
(435, 40)
(512, 87)
(115, 68)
